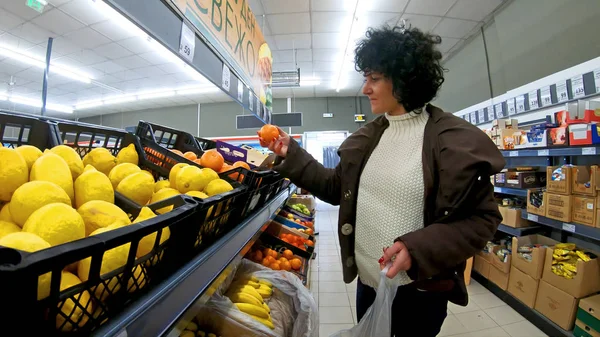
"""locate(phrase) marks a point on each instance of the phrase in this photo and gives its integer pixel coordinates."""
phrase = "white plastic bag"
(377, 321)
(294, 311)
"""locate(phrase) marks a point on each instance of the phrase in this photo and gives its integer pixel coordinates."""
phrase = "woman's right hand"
(279, 146)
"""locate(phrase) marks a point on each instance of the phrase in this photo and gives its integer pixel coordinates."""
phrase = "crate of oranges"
(278, 257)
(300, 242)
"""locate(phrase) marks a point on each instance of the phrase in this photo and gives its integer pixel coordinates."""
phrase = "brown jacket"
(460, 212)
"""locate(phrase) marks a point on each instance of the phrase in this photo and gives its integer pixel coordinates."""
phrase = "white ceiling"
(312, 33)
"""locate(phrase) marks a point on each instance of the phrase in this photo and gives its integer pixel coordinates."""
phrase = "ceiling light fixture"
(193, 91)
(359, 7)
(309, 82)
(120, 99)
(153, 95)
(38, 104)
(89, 105)
(35, 61)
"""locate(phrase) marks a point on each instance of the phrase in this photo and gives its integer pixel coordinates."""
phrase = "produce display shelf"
(581, 230)
(590, 150)
(520, 231)
(519, 192)
(158, 311)
(533, 316)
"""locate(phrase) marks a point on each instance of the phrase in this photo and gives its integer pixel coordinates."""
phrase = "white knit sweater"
(390, 194)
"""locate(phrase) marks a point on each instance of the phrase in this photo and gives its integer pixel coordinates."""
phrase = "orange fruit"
(270, 259)
(190, 156)
(241, 164)
(237, 175)
(285, 240)
(177, 152)
(288, 254)
(269, 133)
(296, 264)
(309, 231)
(258, 255)
(225, 168)
(275, 266)
(282, 260)
(309, 243)
(274, 254)
(266, 262)
(287, 266)
(212, 159)
(267, 252)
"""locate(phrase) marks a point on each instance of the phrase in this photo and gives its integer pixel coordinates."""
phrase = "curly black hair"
(408, 57)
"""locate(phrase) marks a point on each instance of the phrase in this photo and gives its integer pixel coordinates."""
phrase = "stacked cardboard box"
(505, 133)
(526, 270)
(482, 264)
(558, 296)
(500, 268)
(587, 323)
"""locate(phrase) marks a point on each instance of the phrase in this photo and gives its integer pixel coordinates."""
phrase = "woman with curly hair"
(414, 180)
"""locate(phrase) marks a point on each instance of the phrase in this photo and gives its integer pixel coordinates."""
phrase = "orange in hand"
(268, 133)
(213, 160)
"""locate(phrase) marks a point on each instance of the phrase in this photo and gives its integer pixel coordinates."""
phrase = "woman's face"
(379, 89)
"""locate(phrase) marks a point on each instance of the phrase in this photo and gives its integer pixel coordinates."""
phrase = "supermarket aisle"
(485, 316)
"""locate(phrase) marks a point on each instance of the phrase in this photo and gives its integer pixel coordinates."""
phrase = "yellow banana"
(247, 283)
(266, 322)
(241, 297)
(264, 293)
(266, 283)
(249, 290)
(265, 288)
(266, 306)
(253, 310)
(201, 333)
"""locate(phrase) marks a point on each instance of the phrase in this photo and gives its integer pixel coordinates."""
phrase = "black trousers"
(414, 312)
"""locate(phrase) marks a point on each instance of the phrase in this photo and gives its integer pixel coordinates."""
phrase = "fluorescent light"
(38, 104)
(88, 105)
(121, 99)
(3, 98)
(117, 18)
(36, 61)
(153, 95)
(309, 82)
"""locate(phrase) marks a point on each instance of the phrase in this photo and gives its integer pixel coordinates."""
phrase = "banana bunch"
(191, 330)
(248, 295)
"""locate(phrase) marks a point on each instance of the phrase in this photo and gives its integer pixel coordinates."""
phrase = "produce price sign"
(533, 100)
(499, 108)
(561, 91)
(520, 103)
(577, 87)
(474, 117)
(510, 105)
(481, 115)
(490, 113)
(545, 96)
(231, 27)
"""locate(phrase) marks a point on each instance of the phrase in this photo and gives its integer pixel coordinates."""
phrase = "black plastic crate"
(57, 315)
(206, 144)
(169, 138)
(22, 129)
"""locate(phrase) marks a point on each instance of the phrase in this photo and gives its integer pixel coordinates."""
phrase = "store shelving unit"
(158, 312)
(520, 231)
(581, 230)
(519, 192)
(547, 326)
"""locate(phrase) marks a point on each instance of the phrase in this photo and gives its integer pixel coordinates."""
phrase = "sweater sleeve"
(462, 231)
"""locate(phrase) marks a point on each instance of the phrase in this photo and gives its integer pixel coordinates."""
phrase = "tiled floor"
(485, 316)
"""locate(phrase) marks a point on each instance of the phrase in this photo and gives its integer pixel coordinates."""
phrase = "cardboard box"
(512, 217)
(509, 138)
(499, 278)
(536, 201)
(558, 207)
(482, 266)
(559, 137)
(586, 282)
(503, 266)
(523, 287)
(589, 313)
(500, 179)
(536, 138)
(505, 124)
(525, 179)
(584, 210)
(583, 330)
(583, 134)
(557, 305)
(246, 153)
(535, 267)
(559, 183)
(584, 180)
(485, 256)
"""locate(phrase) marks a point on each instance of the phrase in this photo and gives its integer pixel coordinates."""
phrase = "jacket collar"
(435, 114)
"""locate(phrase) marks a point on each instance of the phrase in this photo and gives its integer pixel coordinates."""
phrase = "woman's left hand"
(402, 262)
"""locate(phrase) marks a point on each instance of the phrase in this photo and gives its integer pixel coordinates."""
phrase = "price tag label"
(577, 87)
(226, 78)
(481, 115)
(561, 91)
(499, 109)
(588, 151)
(546, 98)
(250, 101)
(491, 115)
(568, 227)
(520, 103)
(187, 43)
(543, 153)
(513, 154)
(533, 100)
(474, 117)
(240, 94)
(467, 117)
(510, 105)
(597, 79)
(532, 217)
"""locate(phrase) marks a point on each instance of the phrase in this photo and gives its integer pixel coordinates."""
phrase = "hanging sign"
(187, 43)
(231, 27)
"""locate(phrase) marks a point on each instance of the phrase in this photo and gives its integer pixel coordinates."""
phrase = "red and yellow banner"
(231, 26)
